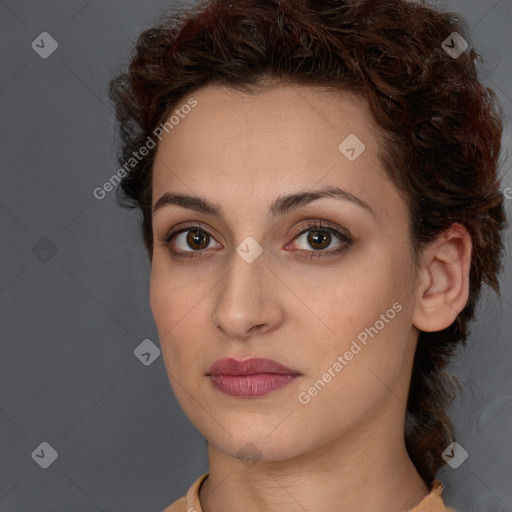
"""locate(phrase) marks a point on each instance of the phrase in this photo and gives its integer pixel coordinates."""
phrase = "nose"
(248, 300)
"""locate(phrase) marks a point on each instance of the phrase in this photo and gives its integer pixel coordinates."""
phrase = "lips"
(251, 378)
(252, 366)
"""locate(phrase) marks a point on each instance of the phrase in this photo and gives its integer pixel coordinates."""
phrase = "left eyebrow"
(279, 206)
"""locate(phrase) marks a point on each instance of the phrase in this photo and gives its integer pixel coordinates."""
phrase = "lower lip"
(248, 386)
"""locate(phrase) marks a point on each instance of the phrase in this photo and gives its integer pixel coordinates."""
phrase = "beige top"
(433, 502)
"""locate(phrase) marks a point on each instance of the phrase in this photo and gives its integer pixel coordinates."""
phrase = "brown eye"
(318, 239)
(313, 241)
(197, 239)
(189, 240)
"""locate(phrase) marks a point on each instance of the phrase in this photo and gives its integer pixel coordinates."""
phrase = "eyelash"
(313, 226)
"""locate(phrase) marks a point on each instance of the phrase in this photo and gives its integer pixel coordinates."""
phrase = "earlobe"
(443, 286)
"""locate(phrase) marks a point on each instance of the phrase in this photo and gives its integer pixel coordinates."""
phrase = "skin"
(344, 450)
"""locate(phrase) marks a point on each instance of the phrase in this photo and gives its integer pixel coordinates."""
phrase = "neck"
(367, 469)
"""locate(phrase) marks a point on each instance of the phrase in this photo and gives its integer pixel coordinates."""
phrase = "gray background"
(74, 283)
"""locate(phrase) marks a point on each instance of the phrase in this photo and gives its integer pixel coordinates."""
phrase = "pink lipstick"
(250, 378)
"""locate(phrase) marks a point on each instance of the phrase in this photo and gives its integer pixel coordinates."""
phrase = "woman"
(321, 205)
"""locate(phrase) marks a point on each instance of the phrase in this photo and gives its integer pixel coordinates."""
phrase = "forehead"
(284, 114)
(270, 141)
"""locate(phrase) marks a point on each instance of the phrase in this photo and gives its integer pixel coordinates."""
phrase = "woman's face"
(260, 279)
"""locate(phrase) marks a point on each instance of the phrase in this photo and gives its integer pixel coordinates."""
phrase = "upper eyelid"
(176, 230)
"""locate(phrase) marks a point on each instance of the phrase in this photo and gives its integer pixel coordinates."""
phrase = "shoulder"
(433, 502)
(189, 502)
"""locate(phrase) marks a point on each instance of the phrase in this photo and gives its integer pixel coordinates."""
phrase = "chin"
(263, 442)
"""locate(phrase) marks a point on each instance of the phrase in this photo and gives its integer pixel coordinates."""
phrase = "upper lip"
(251, 366)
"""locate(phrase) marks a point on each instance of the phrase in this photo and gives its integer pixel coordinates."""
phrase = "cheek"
(168, 303)
(179, 317)
(171, 296)
(359, 297)
(161, 295)
(374, 287)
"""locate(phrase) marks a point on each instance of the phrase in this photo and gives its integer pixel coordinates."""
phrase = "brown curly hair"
(442, 131)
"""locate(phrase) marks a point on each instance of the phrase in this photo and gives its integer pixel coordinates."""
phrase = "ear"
(443, 280)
